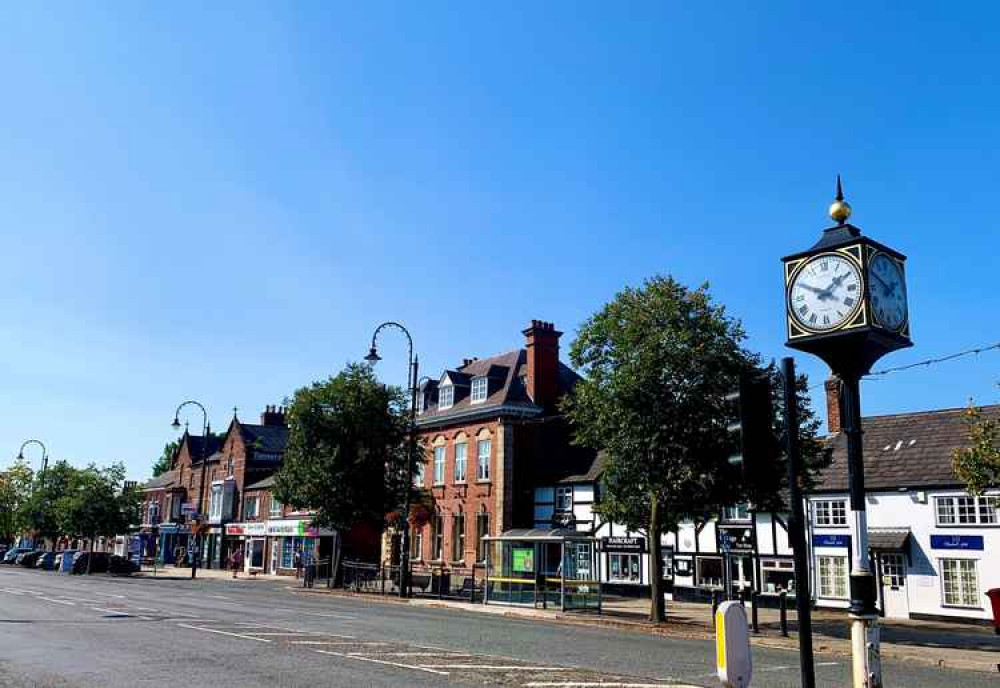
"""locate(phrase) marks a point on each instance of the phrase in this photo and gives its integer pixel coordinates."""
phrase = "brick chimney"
(542, 343)
(273, 415)
(833, 417)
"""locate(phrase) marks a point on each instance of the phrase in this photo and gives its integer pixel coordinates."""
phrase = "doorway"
(895, 604)
(255, 555)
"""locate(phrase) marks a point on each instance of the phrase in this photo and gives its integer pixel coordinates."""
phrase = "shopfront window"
(777, 575)
(832, 577)
(289, 547)
(960, 582)
(709, 572)
(624, 568)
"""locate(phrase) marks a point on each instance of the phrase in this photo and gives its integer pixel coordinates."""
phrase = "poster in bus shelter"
(523, 559)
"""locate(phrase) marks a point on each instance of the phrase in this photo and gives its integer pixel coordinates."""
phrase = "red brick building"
(491, 431)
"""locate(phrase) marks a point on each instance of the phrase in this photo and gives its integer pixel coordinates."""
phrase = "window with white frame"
(564, 499)
(417, 544)
(832, 577)
(483, 460)
(480, 386)
(154, 513)
(418, 474)
(461, 461)
(960, 582)
(709, 572)
(276, 507)
(482, 531)
(458, 537)
(215, 503)
(830, 512)
(439, 465)
(737, 512)
(966, 510)
(624, 568)
(777, 575)
(437, 538)
(250, 507)
(446, 396)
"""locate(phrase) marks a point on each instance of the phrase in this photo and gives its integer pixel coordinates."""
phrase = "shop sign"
(167, 528)
(620, 544)
(831, 540)
(967, 542)
(292, 528)
(253, 529)
(735, 539)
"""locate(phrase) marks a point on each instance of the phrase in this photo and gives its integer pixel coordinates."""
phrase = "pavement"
(73, 631)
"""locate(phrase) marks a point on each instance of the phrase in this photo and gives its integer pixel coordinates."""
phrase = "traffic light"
(751, 429)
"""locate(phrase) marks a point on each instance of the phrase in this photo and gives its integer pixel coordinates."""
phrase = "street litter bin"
(994, 595)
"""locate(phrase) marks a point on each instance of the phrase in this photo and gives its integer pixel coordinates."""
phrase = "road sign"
(732, 645)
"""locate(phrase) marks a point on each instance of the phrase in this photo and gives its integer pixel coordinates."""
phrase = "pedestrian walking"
(236, 561)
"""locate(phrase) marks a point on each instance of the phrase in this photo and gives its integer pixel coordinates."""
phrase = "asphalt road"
(62, 631)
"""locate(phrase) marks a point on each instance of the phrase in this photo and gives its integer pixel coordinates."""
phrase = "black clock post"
(845, 301)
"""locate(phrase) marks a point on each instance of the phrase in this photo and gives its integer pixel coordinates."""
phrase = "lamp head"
(176, 425)
(20, 456)
(373, 356)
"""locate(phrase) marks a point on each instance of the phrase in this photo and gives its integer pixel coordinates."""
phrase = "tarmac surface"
(72, 631)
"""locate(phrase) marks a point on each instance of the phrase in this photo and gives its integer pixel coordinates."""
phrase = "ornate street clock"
(845, 297)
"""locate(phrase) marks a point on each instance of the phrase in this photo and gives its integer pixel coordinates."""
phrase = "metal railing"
(440, 582)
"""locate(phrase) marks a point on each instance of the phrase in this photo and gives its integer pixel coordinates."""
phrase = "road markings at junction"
(382, 661)
(234, 635)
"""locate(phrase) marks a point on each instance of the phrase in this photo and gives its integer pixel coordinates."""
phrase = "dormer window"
(446, 397)
(480, 388)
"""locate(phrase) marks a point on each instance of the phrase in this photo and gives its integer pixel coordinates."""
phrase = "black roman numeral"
(848, 302)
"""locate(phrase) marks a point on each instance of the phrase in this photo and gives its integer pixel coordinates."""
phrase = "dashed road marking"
(414, 654)
(382, 661)
(334, 642)
(604, 684)
(234, 635)
(55, 601)
(495, 667)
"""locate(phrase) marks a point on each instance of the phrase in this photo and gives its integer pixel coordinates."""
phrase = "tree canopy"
(347, 452)
(15, 491)
(977, 464)
(657, 363)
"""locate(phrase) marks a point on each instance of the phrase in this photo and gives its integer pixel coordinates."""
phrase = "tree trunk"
(90, 557)
(334, 559)
(657, 613)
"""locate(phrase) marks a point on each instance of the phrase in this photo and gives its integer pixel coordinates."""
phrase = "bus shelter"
(540, 567)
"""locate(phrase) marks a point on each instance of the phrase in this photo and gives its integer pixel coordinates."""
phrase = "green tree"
(346, 454)
(978, 463)
(40, 513)
(166, 459)
(96, 504)
(657, 363)
(15, 490)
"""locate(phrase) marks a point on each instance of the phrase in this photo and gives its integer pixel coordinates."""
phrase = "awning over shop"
(540, 534)
(888, 539)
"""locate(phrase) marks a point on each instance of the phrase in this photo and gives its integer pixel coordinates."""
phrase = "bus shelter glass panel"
(580, 585)
(511, 567)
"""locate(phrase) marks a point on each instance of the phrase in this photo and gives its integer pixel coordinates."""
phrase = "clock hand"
(815, 290)
(883, 282)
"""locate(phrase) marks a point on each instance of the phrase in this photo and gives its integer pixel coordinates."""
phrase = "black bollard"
(783, 601)
(754, 599)
(715, 604)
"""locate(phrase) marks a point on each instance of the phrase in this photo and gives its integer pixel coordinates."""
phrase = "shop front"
(294, 543)
(251, 538)
(172, 547)
(623, 563)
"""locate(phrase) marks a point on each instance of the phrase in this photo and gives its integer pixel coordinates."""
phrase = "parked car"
(46, 561)
(122, 566)
(27, 560)
(13, 554)
(98, 562)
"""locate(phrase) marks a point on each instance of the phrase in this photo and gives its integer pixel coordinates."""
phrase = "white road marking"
(66, 602)
(325, 614)
(235, 635)
(220, 597)
(252, 632)
(412, 654)
(331, 642)
(116, 612)
(147, 609)
(382, 661)
(496, 667)
(107, 594)
(12, 592)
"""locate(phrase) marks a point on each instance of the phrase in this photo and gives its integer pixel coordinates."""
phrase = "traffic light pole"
(796, 526)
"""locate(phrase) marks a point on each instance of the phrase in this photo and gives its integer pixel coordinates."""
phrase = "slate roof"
(506, 389)
(197, 446)
(593, 472)
(266, 438)
(265, 484)
(907, 450)
(162, 481)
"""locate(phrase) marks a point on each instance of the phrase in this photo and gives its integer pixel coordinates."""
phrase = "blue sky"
(222, 202)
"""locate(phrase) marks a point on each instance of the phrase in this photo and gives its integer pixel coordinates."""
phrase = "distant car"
(65, 554)
(28, 559)
(122, 566)
(98, 562)
(13, 554)
(46, 561)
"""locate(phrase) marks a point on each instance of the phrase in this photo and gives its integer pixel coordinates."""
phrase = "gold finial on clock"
(840, 209)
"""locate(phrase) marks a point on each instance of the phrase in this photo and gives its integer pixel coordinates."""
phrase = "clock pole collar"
(840, 209)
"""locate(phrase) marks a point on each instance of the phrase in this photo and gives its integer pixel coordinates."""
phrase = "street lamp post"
(412, 374)
(45, 460)
(176, 425)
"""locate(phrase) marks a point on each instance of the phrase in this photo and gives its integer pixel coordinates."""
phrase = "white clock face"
(888, 291)
(825, 292)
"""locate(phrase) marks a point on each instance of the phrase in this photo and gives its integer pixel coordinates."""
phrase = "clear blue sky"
(221, 203)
